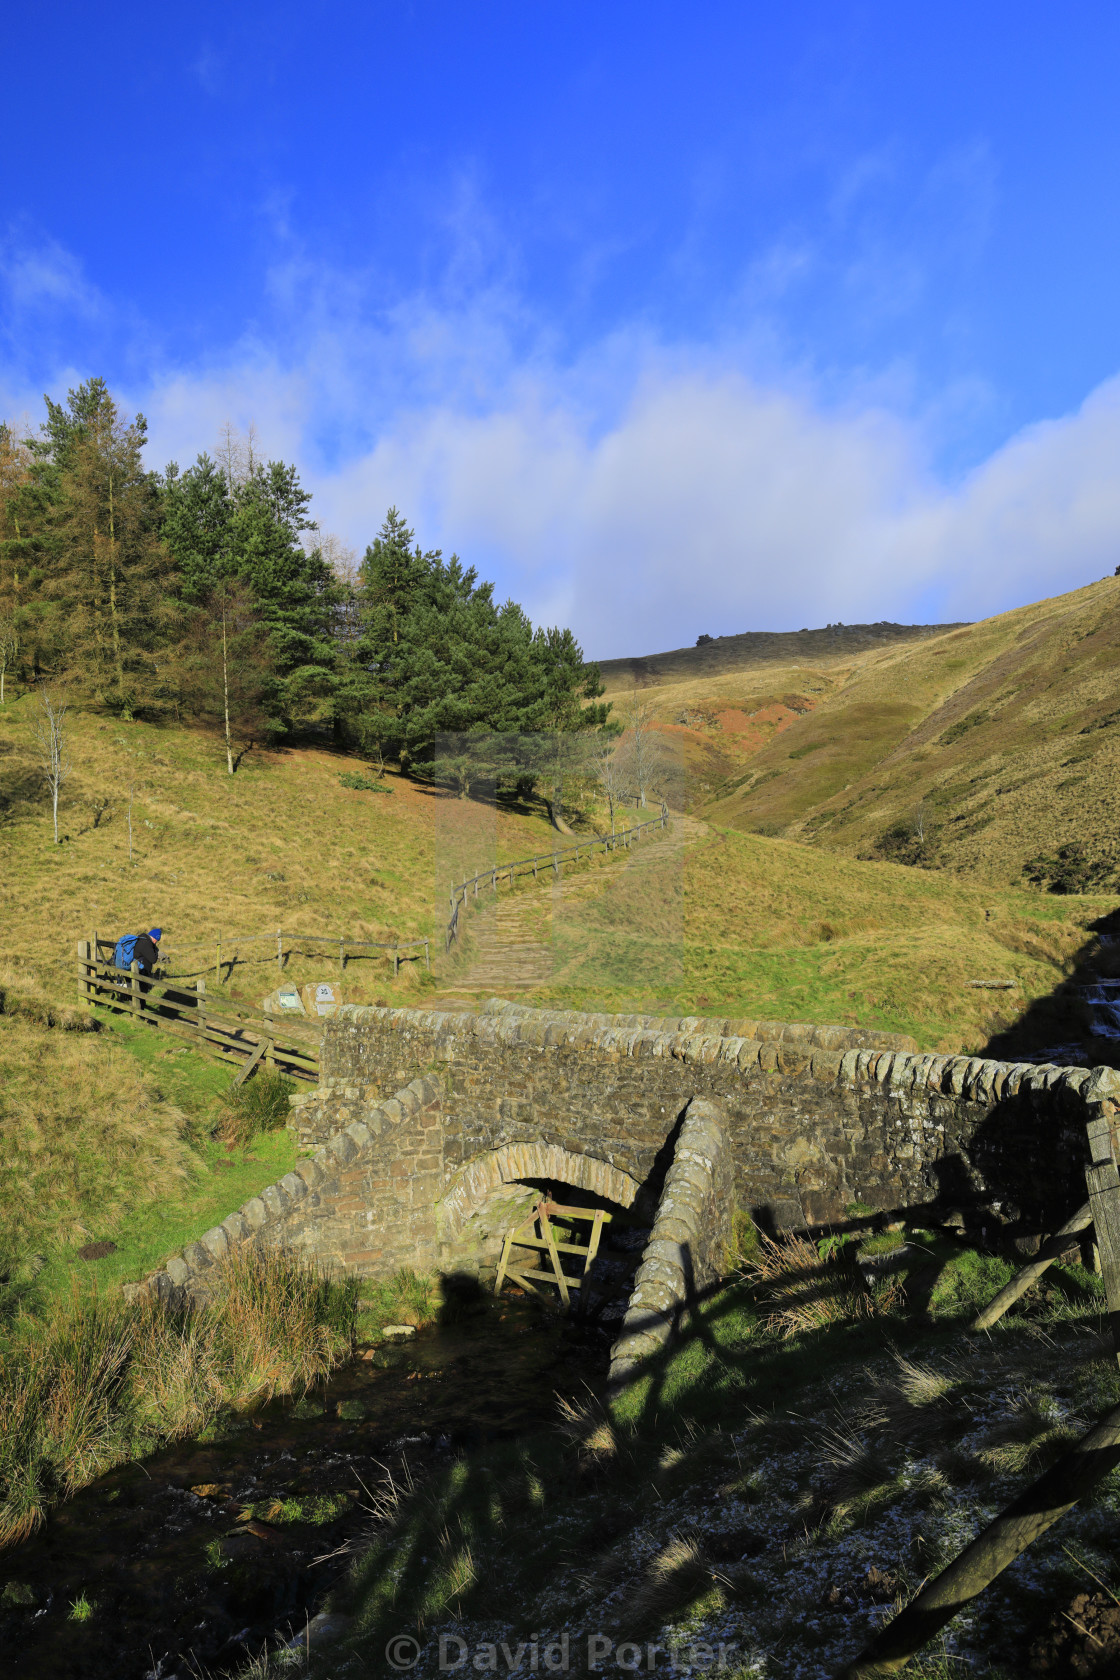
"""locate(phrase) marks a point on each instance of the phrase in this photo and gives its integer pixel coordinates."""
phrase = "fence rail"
(544, 860)
(285, 945)
(234, 1036)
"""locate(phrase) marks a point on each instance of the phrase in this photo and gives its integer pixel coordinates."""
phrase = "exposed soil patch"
(1082, 1640)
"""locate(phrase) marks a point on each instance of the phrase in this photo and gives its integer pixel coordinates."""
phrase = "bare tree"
(49, 735)
(238, 457)
(644, 745)
(607, 764)
(9, 648)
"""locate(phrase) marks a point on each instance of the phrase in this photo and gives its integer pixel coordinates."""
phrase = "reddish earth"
(1082, 1641)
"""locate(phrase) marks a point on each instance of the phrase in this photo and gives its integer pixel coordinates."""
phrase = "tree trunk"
(114, 617)
(225, 693)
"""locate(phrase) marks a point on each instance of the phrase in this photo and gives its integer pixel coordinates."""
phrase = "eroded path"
(518, 944)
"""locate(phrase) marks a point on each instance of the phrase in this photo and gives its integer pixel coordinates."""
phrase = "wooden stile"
(537, 1232)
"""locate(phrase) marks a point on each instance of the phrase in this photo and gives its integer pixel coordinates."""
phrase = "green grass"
(152, 1234)
(405, 1298)
(136, 1163)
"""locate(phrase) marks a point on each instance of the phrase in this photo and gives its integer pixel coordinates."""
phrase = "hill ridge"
(726, 653)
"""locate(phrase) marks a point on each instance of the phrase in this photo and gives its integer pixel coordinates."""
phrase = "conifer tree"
(243, 522)
(111, 573)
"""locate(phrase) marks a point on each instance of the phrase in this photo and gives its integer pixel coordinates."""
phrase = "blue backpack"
(125, 951)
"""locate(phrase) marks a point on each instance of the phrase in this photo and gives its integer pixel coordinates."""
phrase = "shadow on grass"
(484, 1542)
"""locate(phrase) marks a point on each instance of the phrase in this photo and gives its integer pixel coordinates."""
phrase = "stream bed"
(196, 1558)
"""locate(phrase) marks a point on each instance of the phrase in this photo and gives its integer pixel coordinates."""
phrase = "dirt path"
(512, 939)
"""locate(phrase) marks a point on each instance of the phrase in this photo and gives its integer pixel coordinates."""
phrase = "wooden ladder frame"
(544, 1239)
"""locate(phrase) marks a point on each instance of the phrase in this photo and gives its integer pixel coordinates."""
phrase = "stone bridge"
(803, 1126)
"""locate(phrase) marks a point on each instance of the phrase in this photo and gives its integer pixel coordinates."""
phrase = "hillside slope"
(723, 654)
(988, 749)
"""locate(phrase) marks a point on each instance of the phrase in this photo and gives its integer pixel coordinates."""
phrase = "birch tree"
(644, 747)
(49, 735)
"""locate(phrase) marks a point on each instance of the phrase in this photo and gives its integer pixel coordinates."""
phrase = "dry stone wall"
(688, 1244)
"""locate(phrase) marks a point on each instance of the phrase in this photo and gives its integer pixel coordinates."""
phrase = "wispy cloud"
(641, 491)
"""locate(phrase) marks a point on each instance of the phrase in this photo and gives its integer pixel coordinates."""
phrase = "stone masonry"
(688, 1244)
(816, 1124)
(797, 1124)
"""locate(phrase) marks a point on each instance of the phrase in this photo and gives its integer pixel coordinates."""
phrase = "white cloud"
(639, 492)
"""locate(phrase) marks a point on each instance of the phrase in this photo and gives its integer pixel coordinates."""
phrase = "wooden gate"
(537, 1232)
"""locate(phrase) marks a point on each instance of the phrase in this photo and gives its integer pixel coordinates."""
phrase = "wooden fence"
(1077, 1473)
(234, 1036)
(226, 951)
(544, 860)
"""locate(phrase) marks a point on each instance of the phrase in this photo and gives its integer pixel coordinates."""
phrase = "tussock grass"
(95, 1381)
(260, 1105)
(800, 1291)
(407, 1297)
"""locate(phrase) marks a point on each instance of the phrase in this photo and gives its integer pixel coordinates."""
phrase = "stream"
(204, 1553)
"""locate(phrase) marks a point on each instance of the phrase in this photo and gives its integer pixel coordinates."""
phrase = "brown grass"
(97, 1382)
(799, 1292)
(83, 1135)
(280, 844)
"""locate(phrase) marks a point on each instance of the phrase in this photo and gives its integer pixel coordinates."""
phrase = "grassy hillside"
(728, 654)
(990, 749)
(109, 1135)
(281, 843)
(732, 924)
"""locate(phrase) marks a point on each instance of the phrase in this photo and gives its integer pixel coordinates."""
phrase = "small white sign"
(324, 994)
(290, 1000)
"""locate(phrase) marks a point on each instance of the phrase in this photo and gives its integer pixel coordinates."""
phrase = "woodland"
(210, 595)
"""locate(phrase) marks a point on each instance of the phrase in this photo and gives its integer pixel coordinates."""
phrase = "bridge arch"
(519, 1163)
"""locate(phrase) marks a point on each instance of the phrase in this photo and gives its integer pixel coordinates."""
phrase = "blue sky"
(670, 318)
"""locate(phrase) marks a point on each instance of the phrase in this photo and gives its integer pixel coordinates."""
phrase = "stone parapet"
(689, 1241)
(349, 1206)
(818, 1120)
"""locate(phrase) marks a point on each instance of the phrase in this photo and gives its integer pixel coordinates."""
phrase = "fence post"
(341, 957)
(134, 1001)
(427, 957)
(200, 1006)
(279, 950)
(85, 990)
(218, 963)
(396, 963)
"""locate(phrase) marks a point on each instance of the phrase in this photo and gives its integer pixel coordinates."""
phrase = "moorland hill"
(989, 748)
(714, 656)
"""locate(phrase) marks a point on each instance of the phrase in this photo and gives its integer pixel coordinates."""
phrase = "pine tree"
(109, 574)
(26, 550)
(241, 522)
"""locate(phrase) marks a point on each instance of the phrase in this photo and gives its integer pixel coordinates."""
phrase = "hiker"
(139, 948)
(146, 950)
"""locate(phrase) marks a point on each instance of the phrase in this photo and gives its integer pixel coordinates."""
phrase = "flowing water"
(204, 1553)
